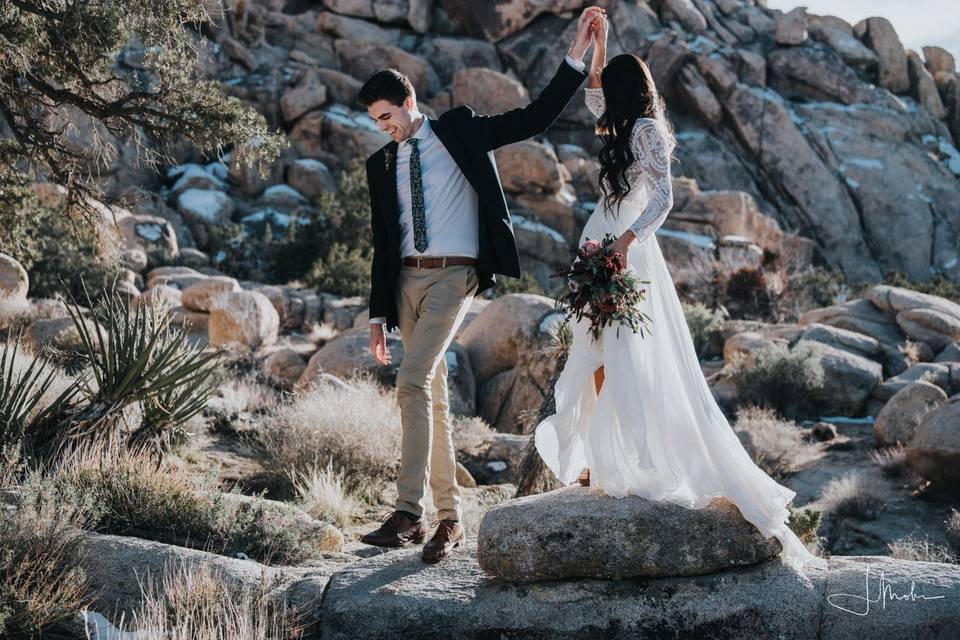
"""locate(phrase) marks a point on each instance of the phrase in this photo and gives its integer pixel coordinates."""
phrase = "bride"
(637, 411)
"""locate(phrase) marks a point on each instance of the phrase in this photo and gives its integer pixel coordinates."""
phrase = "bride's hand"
(622, 244)
(584, 35)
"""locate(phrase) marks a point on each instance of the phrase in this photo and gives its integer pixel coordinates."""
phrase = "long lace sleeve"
(651, 152)
(595, 102)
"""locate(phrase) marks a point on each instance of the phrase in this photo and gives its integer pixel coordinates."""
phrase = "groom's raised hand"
(585, 31)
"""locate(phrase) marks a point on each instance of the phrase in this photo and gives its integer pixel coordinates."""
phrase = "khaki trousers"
(431, 305)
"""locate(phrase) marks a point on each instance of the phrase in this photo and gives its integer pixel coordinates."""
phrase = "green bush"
(51, 249)
(344, 271)
(339, 227)
(805, 522)
(705, 325)
(779, 378)
(526, 283)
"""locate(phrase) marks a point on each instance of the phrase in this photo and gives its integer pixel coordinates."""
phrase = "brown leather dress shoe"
(449, 534)
(397, 530)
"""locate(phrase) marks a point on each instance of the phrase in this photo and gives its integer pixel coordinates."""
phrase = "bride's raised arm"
(594, 90)
(651, 151)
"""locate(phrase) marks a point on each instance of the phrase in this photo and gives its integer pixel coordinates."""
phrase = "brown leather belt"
(421, 262)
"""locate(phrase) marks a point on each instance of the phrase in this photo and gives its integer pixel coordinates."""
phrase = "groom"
(441, 230)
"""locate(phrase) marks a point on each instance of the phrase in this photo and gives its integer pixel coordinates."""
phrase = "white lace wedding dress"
(655, 430)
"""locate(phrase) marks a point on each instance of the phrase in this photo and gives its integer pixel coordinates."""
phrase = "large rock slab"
(456, 598)
(243, 318)
(768, 600)
(116, 565)
(558, 535)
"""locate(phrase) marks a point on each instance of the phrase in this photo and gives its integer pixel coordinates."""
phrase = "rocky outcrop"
(761, 600)
(509, 347)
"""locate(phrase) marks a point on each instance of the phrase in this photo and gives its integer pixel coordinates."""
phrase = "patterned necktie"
(416, 195)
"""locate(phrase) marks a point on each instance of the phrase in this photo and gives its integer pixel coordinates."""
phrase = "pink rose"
(590, 247)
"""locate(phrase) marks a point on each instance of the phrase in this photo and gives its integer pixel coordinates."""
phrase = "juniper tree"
(58, 68)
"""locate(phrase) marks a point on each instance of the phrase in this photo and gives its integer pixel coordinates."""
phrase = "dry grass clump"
(891, 460)
(853, 495)
(42, 585)
(323, 493)
(355, 428)
(192, 602)
(776, 445)
(913, 548)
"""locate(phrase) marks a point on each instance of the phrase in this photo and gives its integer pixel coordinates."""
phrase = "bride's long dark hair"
(629, 93)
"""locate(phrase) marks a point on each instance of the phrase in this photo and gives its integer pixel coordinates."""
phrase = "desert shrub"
(135, 497)
(779, 378)
(193, 602)
(776, 445)
(526, 283)
(804, 523)
(32, 391)
(853, 495)
(922, 550)
(135, 358)
(747, 294)
(470, 432)
(342, 219)
(356, 429)
(952, 524)
(42, 585)
(56, 252)
(705, 324)
(344, 270)
(810, 289)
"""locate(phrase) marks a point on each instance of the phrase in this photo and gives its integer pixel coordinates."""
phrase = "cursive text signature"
(884, 592)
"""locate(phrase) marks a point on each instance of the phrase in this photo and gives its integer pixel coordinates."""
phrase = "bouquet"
(600, 288)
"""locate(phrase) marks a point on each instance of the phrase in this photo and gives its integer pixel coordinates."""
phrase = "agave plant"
(132, 355)
(22, 389)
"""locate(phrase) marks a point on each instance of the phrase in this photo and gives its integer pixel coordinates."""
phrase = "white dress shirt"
(450, 202)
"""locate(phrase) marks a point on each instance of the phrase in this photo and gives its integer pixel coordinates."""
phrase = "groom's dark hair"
(389, 84)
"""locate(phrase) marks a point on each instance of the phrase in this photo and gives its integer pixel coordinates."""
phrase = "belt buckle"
(418, 262)
(444, 262)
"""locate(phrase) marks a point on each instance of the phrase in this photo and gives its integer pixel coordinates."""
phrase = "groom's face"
(394, 120)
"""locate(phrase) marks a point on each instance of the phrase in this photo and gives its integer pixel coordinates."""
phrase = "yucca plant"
(21, 389)
(132, 355)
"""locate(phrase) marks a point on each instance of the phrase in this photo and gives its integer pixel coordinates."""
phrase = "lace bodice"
(649, 174)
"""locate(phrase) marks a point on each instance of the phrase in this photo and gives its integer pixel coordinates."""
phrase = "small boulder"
(200, 296)
(898, 420)
(14, 282)
(244, 318)
(934, 451)
(554, 535)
